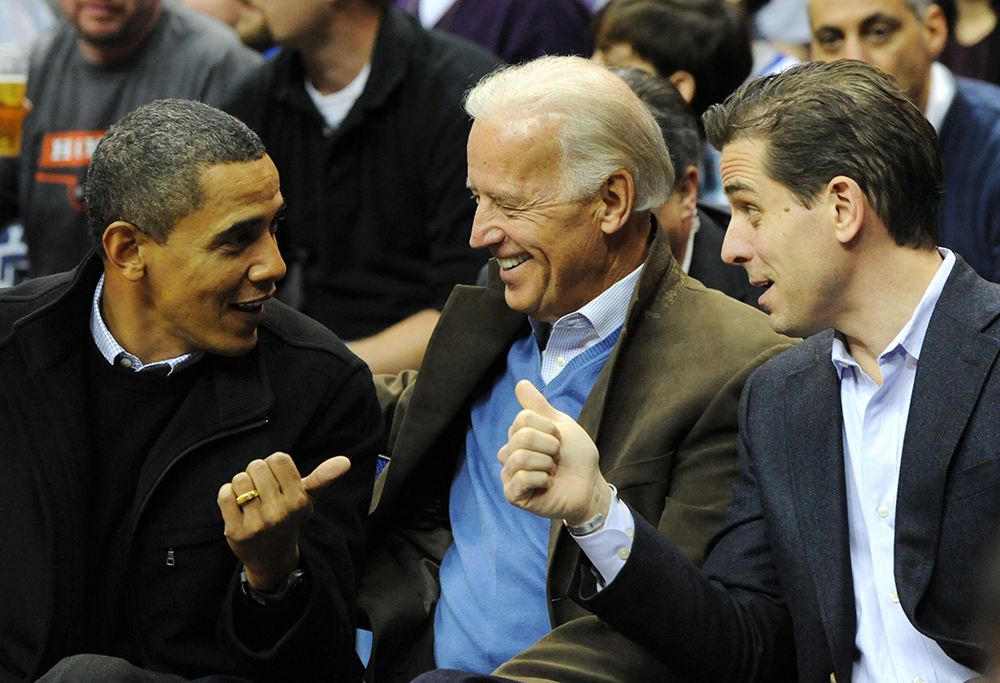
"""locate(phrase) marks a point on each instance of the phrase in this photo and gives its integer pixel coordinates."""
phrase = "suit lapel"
(815, 457)
(955, 360)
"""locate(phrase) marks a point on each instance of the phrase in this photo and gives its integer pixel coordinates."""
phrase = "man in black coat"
(157, 408)
(868, 453)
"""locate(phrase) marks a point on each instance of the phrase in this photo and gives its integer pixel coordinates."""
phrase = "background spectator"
(361, 112)
(83, 76)
(514, 30)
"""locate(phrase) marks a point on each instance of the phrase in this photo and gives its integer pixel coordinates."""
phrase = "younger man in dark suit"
(868, 453)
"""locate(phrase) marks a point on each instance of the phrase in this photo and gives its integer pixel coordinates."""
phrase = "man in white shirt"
(868, 459)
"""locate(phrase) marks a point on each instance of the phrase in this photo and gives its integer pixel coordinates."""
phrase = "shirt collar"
(605, 313)
(689, 252)
(940, 95)
(911, 337)
(116, 355)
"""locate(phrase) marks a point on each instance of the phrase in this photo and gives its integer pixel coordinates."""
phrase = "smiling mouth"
(509, 262)
(250, 306)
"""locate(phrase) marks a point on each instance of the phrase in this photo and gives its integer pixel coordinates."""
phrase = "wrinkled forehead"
(851, 13)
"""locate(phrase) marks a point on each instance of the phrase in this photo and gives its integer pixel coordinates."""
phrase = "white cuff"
(610, 547)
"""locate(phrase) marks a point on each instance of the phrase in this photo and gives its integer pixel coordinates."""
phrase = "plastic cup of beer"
(13, 78)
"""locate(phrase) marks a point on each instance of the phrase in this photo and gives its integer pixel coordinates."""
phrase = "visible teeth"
(249, 307)
(512, 261)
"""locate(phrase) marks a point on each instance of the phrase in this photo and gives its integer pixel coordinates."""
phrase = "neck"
(107, 54)
(121, 311)
(336, 59)
(632, 250)
(886, 291)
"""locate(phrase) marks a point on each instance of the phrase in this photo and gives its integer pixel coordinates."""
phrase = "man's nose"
(736, 247)
(854, 50)
(485, 231)
(269, 267)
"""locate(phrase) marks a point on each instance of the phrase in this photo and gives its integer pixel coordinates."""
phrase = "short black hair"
(842, 118)
(147, 168)
(710, 39)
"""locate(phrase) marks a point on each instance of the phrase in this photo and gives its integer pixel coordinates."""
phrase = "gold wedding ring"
(245, 498)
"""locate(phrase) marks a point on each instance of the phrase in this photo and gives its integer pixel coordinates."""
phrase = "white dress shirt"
(874, 425)
(940, 96)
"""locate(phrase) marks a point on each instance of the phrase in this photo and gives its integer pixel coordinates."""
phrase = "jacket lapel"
(660, 281)
(955, 360)
(458, 361)
(815, 457)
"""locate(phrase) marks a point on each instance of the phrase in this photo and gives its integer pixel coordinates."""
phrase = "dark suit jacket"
(707, 265)
(779, 571)
(663, 413)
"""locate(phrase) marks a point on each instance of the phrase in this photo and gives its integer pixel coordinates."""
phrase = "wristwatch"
(276, 598)
(594, 523)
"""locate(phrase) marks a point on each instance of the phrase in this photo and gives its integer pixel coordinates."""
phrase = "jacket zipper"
(135, 522)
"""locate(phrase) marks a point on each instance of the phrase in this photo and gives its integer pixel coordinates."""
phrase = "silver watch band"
(594, 523)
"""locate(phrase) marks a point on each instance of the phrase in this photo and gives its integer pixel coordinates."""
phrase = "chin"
(233, 348)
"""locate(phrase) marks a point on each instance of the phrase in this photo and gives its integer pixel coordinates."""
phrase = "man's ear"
(848, 205)
(123, 244)
(685, 84)
(687, 188)
(935, 28)
(617, 198)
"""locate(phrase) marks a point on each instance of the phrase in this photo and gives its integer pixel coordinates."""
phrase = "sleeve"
(315, 638)
(723, 623)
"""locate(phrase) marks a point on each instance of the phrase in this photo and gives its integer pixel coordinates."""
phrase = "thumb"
(325, 473)
(531, 398)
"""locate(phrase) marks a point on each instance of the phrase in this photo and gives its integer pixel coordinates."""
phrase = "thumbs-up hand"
(550, 464)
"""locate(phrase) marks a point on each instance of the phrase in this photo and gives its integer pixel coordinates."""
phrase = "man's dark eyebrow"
(733, 188)
(244, 225)
(879, 17)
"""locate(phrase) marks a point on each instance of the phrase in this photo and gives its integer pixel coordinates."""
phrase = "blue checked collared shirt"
(116, 355)
(576, 332)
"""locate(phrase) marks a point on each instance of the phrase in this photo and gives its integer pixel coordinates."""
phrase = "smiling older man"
(586, 302)
(155, 386)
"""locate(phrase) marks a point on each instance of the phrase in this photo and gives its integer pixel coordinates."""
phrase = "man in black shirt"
(143, 381)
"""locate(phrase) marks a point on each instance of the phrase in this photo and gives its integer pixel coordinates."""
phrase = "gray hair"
(604, 126)
(842, 118)
(919, 7)
(147, 168)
